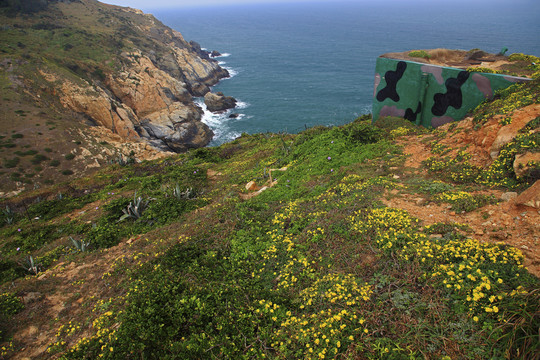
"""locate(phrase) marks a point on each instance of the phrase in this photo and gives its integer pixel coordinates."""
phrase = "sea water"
(297, 65)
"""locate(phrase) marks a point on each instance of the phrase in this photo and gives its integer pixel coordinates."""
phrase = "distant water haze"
(300, 64)
(160, 4)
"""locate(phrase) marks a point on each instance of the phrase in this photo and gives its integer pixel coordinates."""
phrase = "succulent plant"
(188, 193)
(9, 215)
(30, 265)
(80, 245)
(135, 208)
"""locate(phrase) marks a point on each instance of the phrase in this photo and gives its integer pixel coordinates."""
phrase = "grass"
(500, 172)
(315, 267)
(420, 54)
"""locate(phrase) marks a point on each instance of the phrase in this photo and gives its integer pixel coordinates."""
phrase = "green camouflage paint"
(431, 95)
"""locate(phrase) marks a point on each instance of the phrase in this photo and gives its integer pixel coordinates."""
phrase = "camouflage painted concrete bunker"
(431, 95)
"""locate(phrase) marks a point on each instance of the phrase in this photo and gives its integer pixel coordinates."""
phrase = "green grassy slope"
(177, 259)
(76, 42)
(314, 267)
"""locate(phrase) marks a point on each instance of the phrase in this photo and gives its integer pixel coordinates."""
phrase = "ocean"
(297, 65)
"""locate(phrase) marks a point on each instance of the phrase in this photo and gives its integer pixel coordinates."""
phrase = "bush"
(69, 156)
(38, 158)
(166, 210)
(482, 70)
(26, 153)
(211, 155)
(11, 163)
(362, 133)
(390, 123)
(419, 54)
(523, 57)
(104, 235)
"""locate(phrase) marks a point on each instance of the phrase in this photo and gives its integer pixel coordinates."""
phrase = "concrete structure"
(431, 95)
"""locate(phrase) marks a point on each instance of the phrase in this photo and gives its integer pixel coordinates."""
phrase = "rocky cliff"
(119, 68)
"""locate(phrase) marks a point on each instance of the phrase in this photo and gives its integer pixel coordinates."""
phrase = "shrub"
(390, 123)
(104, 235)
(419, 54)
(10, 304)
(38, 158)
(69, 156)
(166, 210)
(523, 57)
(11, 163)
(482, 70)
(26, 153)
(362, 133)
(207, 154)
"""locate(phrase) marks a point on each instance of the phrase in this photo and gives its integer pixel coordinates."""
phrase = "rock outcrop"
(218, 102)
(527, 164)
(508, 132)
(149, 94)
(531, 196)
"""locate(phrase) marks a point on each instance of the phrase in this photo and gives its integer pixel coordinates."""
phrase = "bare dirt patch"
(507, 222)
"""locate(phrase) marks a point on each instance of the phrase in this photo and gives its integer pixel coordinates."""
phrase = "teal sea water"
(298, 65)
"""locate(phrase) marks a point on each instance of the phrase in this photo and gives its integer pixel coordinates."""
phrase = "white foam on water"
(232, 72)
(219, 122)
(241, 105)
(224, 55)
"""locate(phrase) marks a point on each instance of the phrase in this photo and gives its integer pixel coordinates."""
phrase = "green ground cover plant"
(500, 173)
(420, 54)
(315, 267)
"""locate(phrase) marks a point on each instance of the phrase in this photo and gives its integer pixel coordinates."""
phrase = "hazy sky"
(154, 4)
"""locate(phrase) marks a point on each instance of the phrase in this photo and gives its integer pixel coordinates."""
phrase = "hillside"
(368, 241)
(84, 84)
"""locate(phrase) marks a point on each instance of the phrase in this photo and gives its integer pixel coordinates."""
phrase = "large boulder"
(526, 164)
(219, 102)
(531, 196)
(507, 133)
(178, 129)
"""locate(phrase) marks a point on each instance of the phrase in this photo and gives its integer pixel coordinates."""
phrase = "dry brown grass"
(446, 55)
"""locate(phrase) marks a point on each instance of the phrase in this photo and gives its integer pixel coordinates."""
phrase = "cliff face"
(140, 81)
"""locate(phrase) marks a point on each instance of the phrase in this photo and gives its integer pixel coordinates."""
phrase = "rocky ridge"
(151, 97)
(145, 89)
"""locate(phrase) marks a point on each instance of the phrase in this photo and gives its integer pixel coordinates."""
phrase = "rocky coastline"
(151, 97)
(148, 92)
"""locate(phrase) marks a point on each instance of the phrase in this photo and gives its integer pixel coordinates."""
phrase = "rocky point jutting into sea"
(143, 85)
(150, 96)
